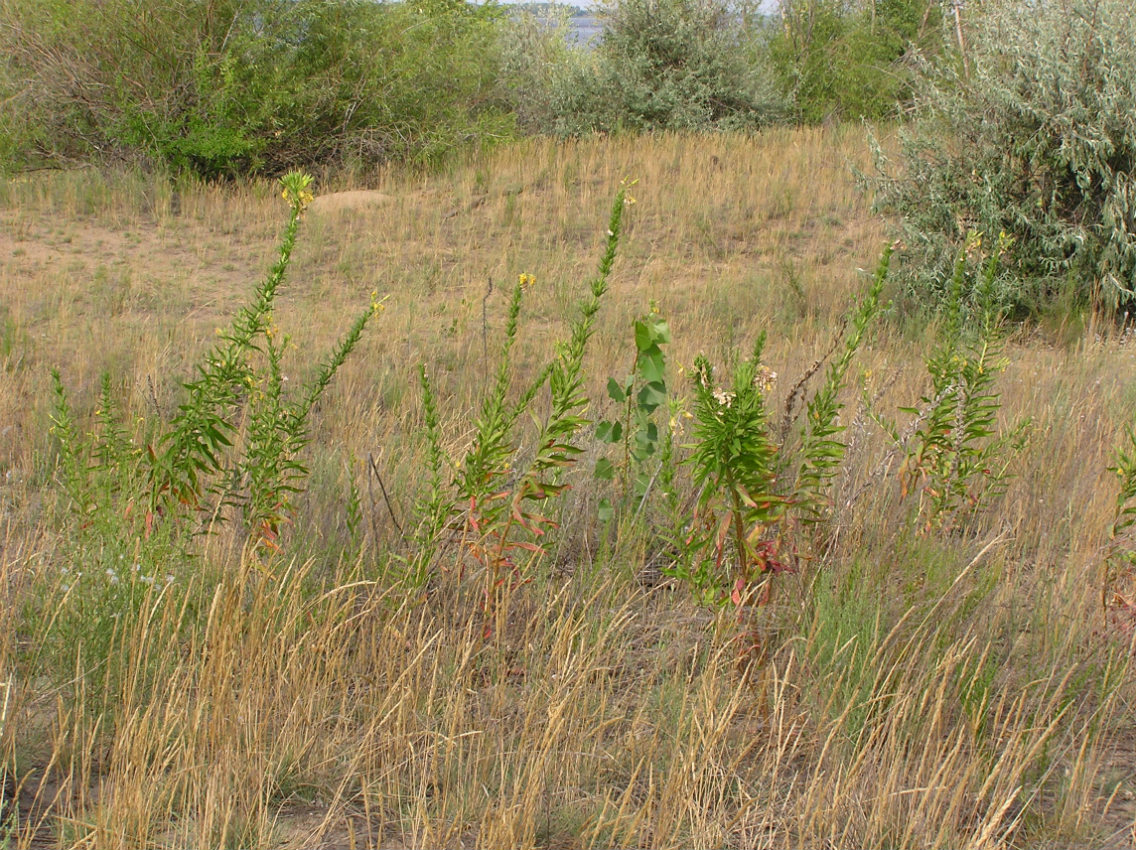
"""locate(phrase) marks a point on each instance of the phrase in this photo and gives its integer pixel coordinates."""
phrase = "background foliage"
(850, 59)
(672, 65)
(228, 87)
(224, 87)
(1020, 123)
(1031, 135)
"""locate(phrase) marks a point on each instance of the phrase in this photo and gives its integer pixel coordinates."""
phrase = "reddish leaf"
(736, 595)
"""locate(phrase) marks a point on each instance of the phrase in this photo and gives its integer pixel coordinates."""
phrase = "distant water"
(582, 29)
(585, 30)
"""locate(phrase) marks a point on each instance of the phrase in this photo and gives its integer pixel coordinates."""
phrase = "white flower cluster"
(114, 577)
(724, 397)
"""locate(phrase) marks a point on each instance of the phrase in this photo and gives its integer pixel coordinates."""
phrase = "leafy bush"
(670, 65)
(758, 490)
(229, 86)
(138, 490)
(540, 66)
(734, 466)
(958, 457)
(1031, 135)
(848, 60)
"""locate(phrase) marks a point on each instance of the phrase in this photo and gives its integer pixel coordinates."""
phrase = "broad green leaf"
(644, 339)
(605, 471)
(649, 333)
(646, 441)
(608, 432)
(653, 365)
(652, 395)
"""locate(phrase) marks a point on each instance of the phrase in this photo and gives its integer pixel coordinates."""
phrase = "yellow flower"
(527, 281)
(296, 190)
(626, 184)
(973, 245)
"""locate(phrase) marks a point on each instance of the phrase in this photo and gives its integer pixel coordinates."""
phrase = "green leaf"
(646, 441)
(605, 471)
(605, 512)
(653, 365)
(649, 333)
(644, 339)
(642, 482)
(652, 396)
(616, 391)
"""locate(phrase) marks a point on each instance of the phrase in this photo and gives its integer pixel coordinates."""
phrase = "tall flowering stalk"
(203, 461)
(498, 511)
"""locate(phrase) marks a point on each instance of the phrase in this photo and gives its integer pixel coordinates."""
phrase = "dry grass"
(950, 692)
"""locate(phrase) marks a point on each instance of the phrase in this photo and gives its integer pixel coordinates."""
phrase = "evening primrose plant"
(757, 489)
(821, 453)
(734, 469)
(233, 447)
(136, 492)
(497, 502)
(958, 459)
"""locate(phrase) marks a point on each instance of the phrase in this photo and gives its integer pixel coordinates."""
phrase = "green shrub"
(540, 66)
(498, 498)
(239, 86)
(958, 457)
(233, 446)
(670, 65)
(848, 60)
(1031, 136)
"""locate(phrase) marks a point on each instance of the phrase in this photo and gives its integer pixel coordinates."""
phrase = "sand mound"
(356, 199)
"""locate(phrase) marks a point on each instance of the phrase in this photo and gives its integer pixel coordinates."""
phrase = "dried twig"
(374, 468)
(793, 400)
